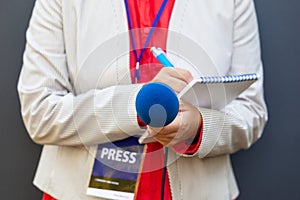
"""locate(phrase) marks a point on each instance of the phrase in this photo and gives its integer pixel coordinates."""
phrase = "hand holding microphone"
(183, 128)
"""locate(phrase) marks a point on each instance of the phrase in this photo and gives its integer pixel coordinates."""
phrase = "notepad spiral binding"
(228, 79)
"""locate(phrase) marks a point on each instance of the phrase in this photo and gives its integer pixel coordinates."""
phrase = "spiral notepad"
(228, 79)
(216, 91)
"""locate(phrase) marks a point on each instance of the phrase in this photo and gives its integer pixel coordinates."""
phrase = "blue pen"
(161, 56)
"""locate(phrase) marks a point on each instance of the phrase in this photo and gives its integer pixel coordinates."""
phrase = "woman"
(78, 86)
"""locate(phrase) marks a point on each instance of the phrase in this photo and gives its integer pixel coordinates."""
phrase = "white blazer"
(75, 90)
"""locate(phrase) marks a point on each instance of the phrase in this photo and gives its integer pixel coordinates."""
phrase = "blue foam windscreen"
(157, 104)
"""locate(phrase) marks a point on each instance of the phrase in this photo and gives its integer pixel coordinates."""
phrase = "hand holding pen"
(176, 78)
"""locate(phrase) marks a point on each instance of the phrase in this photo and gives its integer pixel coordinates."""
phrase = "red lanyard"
(154, 24)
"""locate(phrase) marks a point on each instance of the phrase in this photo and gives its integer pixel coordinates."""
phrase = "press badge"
(116, 169)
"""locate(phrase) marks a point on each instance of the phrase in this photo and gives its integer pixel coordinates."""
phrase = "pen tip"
(152, 49)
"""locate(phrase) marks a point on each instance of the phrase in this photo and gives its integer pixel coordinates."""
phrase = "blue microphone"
(156, 103)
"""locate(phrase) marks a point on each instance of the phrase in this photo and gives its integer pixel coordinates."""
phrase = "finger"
(162, 132)
(166, 134)
(153, 130)
(165, 139)
(176, 84)
(168, 141)
(181, 74)
(177, 73)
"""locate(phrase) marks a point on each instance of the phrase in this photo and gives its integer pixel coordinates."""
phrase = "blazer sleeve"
(52, 112)
(240, 123)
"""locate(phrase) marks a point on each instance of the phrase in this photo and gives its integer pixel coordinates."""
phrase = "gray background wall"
(269, 170)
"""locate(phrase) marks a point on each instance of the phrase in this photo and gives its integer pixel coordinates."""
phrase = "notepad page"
(214, 95)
